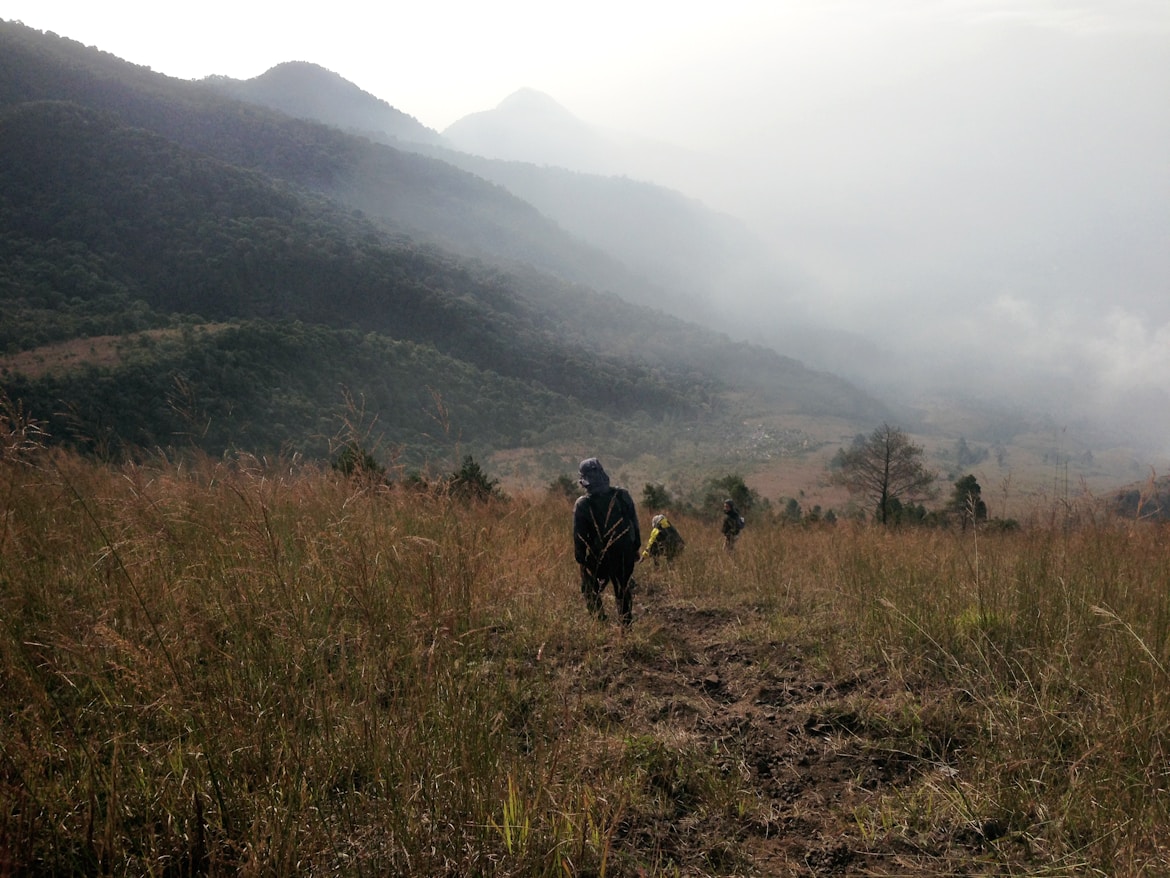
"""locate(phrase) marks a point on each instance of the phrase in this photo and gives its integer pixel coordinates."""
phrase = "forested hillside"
(694, 255)
(430, 199)
(272, 304)
(188, 241)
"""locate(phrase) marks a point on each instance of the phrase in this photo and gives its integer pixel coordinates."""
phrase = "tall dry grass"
(214, 666)
(231, 666)
(1036, 665)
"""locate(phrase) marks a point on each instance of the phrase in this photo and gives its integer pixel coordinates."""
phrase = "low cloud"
(978, 191)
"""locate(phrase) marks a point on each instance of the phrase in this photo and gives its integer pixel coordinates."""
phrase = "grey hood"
(592, 477)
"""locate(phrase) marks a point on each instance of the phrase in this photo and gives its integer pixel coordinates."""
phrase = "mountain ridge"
(307, 90)
(671, 241)
(123, 227)
(531, 124)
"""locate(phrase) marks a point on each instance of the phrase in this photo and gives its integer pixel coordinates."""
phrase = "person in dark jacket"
(606, 539)
(732, 524)
(665, 540)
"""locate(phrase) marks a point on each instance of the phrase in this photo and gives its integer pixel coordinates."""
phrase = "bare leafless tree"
(886, 467)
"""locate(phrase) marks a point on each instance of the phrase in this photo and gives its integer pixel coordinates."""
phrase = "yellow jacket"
(662, 525)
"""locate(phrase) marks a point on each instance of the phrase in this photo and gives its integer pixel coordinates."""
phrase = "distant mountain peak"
(310, 91)
(529, 100)
(298, 67)
(527, 126)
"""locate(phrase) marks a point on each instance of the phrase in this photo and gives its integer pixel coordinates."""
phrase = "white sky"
(611, 61)
(988, 178)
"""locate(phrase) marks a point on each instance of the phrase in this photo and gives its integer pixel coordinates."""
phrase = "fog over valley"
(935, 200)
(951, 202)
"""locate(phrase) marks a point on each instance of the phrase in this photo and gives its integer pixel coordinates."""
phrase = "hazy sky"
(620, 62)
(982, 184)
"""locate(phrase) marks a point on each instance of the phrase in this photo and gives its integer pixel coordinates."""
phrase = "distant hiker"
(665, 540)
(732, 524)
(606, 539)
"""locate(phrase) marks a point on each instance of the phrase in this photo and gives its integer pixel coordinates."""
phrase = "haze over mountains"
(969, 340)
(1053, 321)
(525, 292)
(459, 313)
(683, 253)
(972, 193)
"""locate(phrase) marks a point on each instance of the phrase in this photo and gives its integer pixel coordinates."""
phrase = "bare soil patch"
(62, 356)
(98, 350)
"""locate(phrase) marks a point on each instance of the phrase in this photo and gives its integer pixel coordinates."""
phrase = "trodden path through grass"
(820, 755)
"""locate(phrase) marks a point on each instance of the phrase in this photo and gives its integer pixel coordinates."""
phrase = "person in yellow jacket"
(665, 540)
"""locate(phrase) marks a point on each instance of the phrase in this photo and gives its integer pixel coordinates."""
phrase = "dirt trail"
(794, 738)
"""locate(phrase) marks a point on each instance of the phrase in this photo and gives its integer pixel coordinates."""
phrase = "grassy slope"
(221, 666)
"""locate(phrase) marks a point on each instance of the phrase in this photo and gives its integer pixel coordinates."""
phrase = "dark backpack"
(672, 541)
(614, 522)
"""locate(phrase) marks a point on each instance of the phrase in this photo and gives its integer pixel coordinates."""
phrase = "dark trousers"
(594, 582)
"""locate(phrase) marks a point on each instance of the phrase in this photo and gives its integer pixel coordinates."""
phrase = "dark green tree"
(908, 513)
(885, 468)
(357, 461)
(730, 486)
(655, 497)
(470, 482)
(966, 501)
